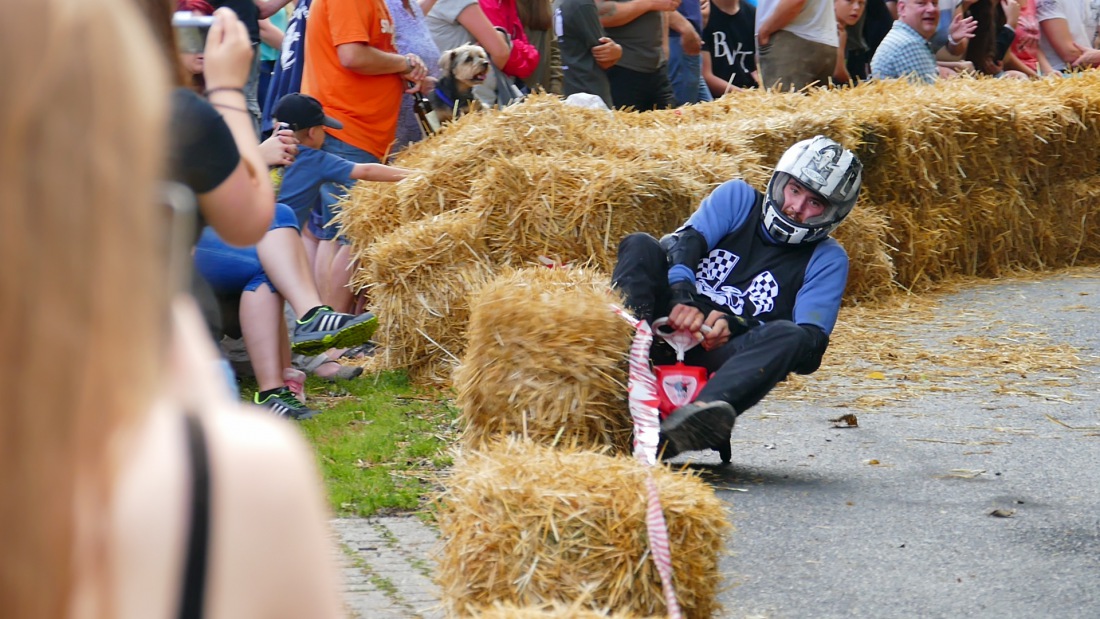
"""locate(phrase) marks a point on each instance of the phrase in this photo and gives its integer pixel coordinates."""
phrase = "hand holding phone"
(228, 56)
(191, 31)
(281, 148)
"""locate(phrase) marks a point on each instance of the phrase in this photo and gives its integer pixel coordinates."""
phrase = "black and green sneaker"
(323, 328)
(283, 403)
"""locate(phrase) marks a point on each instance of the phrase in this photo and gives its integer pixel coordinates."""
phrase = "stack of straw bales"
(973, 177)
(546, 360)
(530, 520)
(544, 179)
(535, 527)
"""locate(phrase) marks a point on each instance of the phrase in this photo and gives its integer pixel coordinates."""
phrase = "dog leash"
(444, 98)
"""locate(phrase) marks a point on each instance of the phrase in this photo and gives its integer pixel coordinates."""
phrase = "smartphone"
(191, 31)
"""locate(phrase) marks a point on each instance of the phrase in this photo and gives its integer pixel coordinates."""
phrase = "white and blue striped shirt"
(904, 53)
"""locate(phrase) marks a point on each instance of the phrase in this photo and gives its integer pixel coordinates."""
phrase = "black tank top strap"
(194, 583)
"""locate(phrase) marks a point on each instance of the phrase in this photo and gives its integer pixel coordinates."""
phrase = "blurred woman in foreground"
(133, 486)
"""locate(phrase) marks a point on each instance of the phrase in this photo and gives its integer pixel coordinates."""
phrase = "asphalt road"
(981, 501)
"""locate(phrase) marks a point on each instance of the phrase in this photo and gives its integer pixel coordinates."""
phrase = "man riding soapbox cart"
(745, 292)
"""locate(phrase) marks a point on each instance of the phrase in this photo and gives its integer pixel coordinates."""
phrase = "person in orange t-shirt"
(354, 70)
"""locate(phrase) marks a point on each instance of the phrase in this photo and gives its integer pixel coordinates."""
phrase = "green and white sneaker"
(327, 329)
(283, 403)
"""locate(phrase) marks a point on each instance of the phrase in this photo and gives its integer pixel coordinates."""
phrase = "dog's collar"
(444, 98)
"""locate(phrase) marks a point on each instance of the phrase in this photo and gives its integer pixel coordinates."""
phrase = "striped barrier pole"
(642, 399)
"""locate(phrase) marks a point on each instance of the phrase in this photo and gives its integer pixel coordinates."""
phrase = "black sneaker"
(699, 425)
(329, 329)
(284, 404)
(665, 449)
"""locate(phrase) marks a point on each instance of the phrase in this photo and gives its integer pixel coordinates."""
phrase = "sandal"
(295, 380)
(344, 373)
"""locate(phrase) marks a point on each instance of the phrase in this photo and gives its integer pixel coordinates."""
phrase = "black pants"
(641, 91)
(747, 367)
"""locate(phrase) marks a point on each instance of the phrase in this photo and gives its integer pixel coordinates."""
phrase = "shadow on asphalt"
(733, 477)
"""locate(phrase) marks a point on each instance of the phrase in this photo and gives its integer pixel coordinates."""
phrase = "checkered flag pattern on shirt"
(762, 292)
(716, 267)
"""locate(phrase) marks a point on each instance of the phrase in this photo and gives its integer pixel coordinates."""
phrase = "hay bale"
(870, 267)
(368, 212)
(551, 611)
(451, 164)
(419, 278)
(577, 207)
(1067, 233)
(528, 525)
(546, 359)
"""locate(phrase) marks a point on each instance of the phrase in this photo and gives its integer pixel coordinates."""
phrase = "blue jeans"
(685, 73)
(331, 192)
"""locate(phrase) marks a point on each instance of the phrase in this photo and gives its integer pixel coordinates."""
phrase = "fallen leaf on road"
(1003, 513)
(849, 419)
(872, 462)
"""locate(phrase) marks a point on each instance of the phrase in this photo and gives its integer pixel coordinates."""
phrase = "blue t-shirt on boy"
(302, 180)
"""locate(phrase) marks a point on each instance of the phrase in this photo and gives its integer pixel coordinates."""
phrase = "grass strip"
(380, 441)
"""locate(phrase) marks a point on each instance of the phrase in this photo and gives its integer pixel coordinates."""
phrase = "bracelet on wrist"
(222, 106)
(211, 91)
(408, 64)
(951, 42)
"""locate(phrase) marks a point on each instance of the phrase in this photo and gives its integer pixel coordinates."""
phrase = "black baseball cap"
(302, 112)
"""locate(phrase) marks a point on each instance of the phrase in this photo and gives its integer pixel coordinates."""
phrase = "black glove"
(683, 293)
(739, 324)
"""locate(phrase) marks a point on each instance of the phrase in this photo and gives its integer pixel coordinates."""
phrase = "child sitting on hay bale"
(761, 272)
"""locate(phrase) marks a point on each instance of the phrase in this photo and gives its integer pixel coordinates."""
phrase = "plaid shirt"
(904, 53)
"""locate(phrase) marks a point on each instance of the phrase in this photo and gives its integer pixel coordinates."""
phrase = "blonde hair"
(159, 15)
(83, 308)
